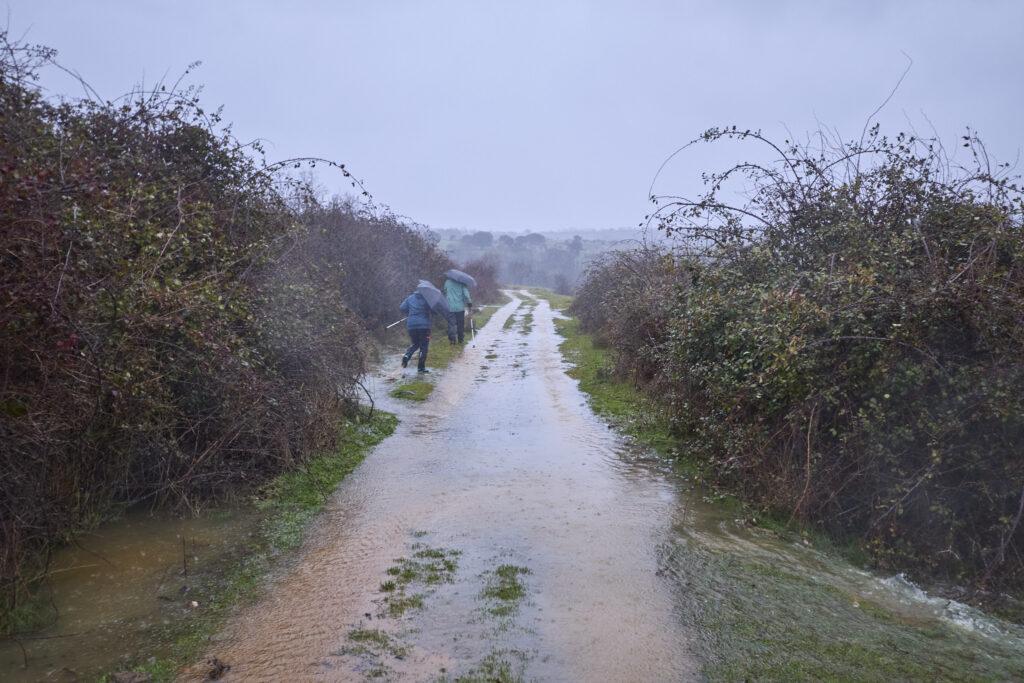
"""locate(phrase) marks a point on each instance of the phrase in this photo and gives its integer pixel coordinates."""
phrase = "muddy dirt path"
(504, 534)
(500, 530)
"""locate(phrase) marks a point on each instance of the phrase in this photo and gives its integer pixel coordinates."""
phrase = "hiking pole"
(394, 323)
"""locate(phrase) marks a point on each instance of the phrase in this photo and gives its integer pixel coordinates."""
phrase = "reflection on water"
(116, 589)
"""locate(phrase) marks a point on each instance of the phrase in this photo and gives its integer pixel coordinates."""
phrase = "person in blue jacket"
(418, 324)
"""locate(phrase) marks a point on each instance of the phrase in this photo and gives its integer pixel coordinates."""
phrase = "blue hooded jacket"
(415, 306)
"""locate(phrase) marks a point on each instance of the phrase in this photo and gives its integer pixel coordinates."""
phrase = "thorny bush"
(624, 303)
(850, 349)
(485, 271)
(379, 258)
(170, 329)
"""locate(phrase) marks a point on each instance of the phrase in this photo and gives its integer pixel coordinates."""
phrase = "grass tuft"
(413, 391)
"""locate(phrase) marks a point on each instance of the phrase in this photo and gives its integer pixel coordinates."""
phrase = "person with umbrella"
(417, 306)
(457, 293)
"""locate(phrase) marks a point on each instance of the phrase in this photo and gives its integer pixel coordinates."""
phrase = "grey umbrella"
(459, 276)
(435, 299)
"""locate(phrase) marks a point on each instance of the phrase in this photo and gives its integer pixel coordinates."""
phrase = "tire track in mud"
(505, 473)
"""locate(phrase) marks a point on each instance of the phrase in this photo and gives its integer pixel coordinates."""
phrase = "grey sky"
(546, 115)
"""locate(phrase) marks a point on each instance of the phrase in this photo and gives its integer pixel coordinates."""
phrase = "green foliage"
(427, 568)
(845, 349)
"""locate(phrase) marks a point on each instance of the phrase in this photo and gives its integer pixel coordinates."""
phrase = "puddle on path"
(511, 471)
(116, 589)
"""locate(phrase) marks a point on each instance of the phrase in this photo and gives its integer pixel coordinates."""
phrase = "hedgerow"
(847, 347)
(380, 259)
(171, 327)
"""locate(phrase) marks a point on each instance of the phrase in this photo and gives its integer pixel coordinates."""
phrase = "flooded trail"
(505, 471)
(503, 533)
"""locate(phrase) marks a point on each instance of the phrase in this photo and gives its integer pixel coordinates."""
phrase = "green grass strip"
(413, 391)
(558, 302)
(614, 398)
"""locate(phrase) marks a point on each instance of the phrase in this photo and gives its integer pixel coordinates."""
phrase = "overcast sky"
(546, 115)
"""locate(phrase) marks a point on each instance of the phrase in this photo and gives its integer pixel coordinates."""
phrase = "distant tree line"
(178, 319)
(529, 259)
(845, 349)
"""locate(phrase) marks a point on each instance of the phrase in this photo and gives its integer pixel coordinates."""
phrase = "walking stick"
(394, 323)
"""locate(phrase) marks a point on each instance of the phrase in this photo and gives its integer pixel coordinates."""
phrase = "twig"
(24, 653)
(53, 637)
(807, 481)
(163, 577)
(910, 63)
(64, 269)
(181, 219)
(91, 552)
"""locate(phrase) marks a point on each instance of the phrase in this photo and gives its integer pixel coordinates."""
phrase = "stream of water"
(505, 533)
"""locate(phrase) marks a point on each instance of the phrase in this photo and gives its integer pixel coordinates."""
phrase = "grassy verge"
(289, 502)
(558, 302)
(615, 399)
(612, 398)
(757, 621)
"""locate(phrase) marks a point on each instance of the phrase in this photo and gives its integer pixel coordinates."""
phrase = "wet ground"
(503, 466)
(115, 591)
(504, 533)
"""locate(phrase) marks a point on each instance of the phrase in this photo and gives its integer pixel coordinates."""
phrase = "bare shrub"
(625, 303)
(484, 270)
(378, 257)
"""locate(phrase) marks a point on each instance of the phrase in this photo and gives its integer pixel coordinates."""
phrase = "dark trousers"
(456, 325)
(420, 340)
